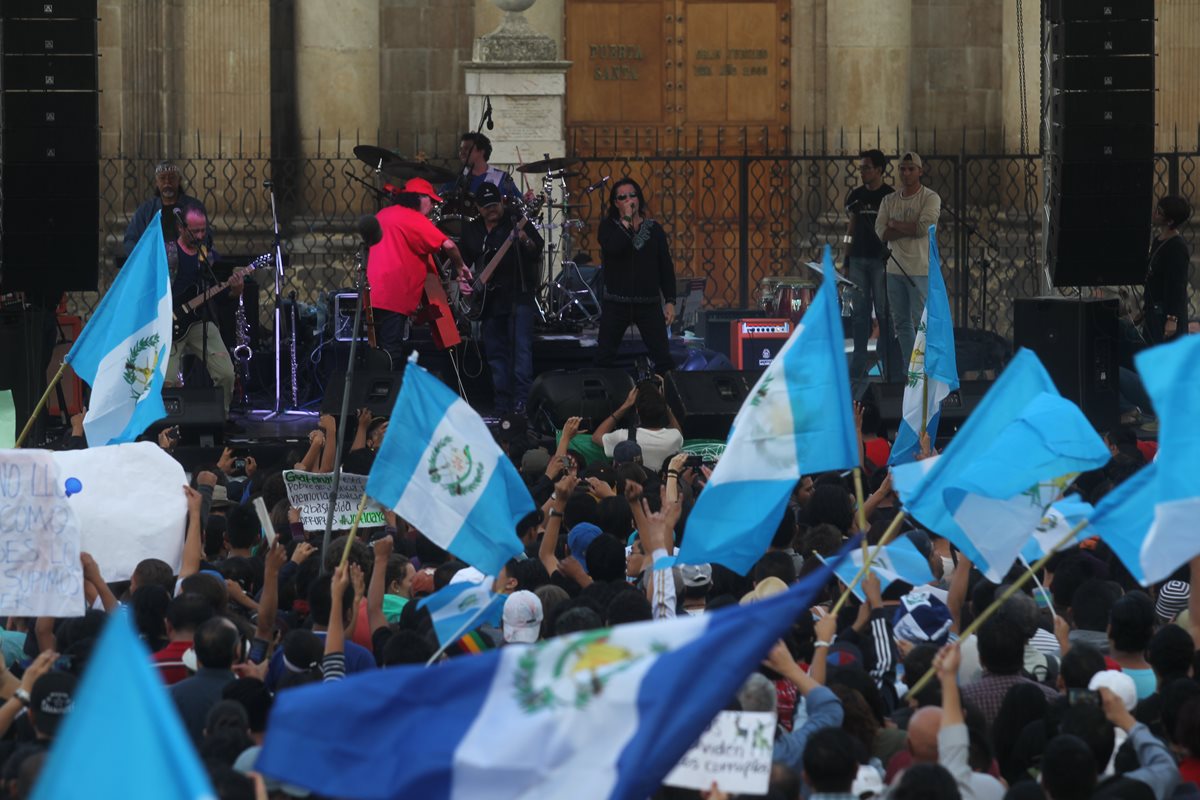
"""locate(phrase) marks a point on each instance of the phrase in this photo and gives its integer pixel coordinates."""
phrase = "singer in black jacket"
(639, 277)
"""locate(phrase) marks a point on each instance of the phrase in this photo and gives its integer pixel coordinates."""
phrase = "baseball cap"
(51, 699)
(767, 587)
(696, 575)
(487, 195)
(1118, 683)
(220, 497)
(468, 575)
(921, 618)
(535, 461)
(627, 452)
(522, 617)
(914, 158)
(422, 186)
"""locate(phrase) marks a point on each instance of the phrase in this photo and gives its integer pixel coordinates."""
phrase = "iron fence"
(732, 218)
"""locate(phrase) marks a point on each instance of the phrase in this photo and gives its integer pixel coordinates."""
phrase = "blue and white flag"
(151, 757)
(440, 470)
(600, 714)
(932, 369)
(798, 419)
(1123, 517)
(460, 608)
(122, 351)
(1060, 518)
(925, 486)
(898, 561)
(1172, 380)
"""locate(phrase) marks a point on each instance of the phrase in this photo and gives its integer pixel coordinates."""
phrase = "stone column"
(868, 54)
(337, 73)
(518, 69)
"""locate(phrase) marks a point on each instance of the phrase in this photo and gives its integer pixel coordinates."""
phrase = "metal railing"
(733, 218)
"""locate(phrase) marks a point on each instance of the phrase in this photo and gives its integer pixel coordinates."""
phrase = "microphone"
(597, 185)
(488, 113)
(179, 217)
(268, 184)
(368, 228)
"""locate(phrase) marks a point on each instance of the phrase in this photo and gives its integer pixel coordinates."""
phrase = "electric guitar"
(186, 314)
(472, 306)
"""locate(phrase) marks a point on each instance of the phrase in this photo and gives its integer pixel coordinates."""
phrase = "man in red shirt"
(185, 613)
(397, 265)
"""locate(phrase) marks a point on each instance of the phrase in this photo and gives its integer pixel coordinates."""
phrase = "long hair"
(613, 213)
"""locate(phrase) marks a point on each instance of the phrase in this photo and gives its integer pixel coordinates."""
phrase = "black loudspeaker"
(706, 402)
(23, 363)
(714, 325)
(1099, 124)
(589, 393)
(51, 142)
(958, 405)
(374, 387)
(1077, 341)
(199, 411)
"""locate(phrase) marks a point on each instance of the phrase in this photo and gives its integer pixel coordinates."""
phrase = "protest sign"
(130, 504)
(309, 492)
(40, 573)
(734, 752)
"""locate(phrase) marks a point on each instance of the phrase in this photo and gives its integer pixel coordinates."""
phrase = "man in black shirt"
(168, 196)
(866, 266)
(508, 309)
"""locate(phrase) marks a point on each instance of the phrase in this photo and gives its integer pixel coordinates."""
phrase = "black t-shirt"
(863, 203)
(515, 277)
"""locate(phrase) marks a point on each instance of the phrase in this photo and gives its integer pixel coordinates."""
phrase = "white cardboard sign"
(309, 492)
(734, 752)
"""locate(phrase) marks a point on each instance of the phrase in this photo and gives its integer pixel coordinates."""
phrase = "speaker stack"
(1098, 118)
(51, 152)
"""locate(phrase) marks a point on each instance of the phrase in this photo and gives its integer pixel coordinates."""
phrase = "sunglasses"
(626, 196)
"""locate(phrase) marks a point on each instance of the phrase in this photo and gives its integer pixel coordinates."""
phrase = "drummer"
(474, 150)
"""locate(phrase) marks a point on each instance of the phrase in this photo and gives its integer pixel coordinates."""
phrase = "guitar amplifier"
(754, 343)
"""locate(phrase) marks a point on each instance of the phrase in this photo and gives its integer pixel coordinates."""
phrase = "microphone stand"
(279, 279)
(463, 183)
(989, 243)
(360, 282)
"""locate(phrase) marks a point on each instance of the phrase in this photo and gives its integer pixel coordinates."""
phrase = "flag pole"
(362, 504)
(1009, 592)
(924, 402)
(870, 556)
(862, 512)
(41, 403)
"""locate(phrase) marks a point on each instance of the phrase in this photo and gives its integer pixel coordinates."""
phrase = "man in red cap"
(398, 264)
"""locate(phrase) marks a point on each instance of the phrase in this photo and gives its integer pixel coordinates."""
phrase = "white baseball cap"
(522, 618)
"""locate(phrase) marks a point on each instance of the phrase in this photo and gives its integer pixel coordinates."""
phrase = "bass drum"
(456, 210)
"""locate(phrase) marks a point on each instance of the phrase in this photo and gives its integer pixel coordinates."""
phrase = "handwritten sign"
(735, 752)
(130, 504)
(40, 574)
(309, 492)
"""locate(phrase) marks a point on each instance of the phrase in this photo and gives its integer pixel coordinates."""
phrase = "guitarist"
(509, 309)
(189, 277)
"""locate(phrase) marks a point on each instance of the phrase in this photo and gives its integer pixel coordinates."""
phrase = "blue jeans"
(868, 277)
(907, 304)
(508, 342)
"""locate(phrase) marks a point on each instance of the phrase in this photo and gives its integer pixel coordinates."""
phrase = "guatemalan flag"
(460, 608)
(1061, 517)
(440, 469)
(898, 561)
(1010, 460)
(604, 713)
(122, 351)
(932, 369)
(798, 419)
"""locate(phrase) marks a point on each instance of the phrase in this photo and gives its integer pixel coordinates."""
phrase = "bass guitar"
(473, 305)
(186, 314)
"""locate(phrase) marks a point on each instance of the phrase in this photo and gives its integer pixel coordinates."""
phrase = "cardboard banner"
(309, 492)
(130, 504)
(735, 752)
(40, 574)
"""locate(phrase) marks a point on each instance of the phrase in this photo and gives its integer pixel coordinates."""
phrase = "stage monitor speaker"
(714, 326)
(1077, 341)
(23, 335)
(888, 398)
(706, 401)
(199, 411)
(589, 393)
(373, 388)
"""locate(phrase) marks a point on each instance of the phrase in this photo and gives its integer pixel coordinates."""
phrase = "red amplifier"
(754, 343)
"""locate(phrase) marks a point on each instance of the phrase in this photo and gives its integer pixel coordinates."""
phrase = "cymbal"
(403, 170)
(372, 155)
(550, 164)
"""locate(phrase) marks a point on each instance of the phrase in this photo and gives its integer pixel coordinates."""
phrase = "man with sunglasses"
(865, 263)
(639, 278)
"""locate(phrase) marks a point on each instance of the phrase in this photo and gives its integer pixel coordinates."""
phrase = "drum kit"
(563, 294)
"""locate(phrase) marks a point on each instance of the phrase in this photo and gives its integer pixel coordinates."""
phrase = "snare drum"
(793, 296)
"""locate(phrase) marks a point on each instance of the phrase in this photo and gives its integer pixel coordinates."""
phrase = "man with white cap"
(903, 224)
(522, 619)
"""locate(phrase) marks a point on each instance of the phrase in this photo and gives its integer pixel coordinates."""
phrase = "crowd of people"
(1080, 688)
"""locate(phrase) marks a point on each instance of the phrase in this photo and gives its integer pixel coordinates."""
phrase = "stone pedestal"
(518, 69)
